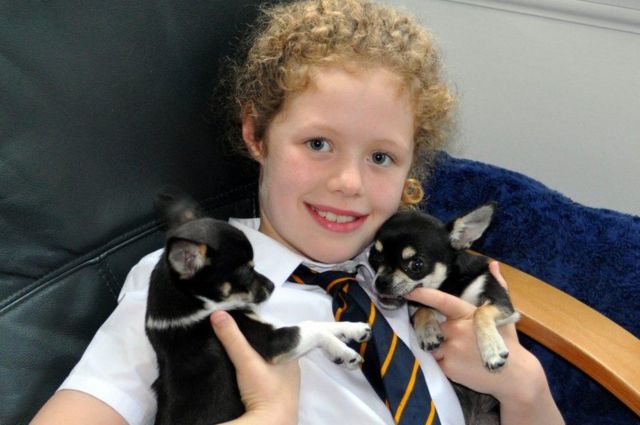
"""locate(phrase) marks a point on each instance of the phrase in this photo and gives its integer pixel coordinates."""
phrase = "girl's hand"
(520, 385)
(459, 356)
(269, 392)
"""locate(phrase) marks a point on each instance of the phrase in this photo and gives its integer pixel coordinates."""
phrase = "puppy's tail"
(176, 207)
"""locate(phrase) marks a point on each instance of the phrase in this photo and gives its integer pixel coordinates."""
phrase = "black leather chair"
(103, 104)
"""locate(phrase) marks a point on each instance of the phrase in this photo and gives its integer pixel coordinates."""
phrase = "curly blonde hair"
(290, 40)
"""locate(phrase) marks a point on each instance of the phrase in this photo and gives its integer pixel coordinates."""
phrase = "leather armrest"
(598, 346)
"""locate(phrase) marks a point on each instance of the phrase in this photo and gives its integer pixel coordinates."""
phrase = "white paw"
(331, 338)
(430, 336)
(351, 331)
(343, 355)
(494, 352)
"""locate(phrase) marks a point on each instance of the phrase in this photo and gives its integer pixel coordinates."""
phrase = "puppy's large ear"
(176, 207)
(187, 258)
(464, 230)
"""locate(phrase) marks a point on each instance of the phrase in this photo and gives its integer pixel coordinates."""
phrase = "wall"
(549, 88)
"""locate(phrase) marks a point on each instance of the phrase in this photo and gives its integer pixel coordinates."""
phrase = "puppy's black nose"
(268, 285)
(384, 283)
(261, 288)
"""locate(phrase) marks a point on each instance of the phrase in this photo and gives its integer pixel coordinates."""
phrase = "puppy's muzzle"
(261, 288)
(385, 290)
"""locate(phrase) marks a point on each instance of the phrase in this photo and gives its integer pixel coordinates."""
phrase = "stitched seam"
(91, 258)
(97, 255)
(106, 274)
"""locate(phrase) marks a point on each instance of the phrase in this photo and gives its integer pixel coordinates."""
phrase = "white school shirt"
(119, 365)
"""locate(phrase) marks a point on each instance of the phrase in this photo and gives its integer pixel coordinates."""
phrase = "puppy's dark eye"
(416, 265)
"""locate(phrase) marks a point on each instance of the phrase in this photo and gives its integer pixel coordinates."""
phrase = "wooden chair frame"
(593, 343)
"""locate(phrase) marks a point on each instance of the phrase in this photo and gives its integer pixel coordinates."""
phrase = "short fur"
(207, 265)
(414, 249)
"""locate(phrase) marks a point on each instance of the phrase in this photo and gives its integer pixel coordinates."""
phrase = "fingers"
(494, 268)
(234, 342)
(269, 392)
(510, 330)
(452, 307)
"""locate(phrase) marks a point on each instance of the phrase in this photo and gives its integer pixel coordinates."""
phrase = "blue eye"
(381, 158)
(318, 144)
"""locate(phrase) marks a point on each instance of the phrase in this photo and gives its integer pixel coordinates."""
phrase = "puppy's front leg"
(426, 326)
(493, 350)
(330, 337)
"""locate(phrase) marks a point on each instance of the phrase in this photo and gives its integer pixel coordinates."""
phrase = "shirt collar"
(277, 262)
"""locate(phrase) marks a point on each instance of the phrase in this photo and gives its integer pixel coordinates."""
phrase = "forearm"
(68, 407)
(529, 402)
(543, 411)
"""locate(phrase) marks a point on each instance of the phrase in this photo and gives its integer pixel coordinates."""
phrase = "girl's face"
(336, 160)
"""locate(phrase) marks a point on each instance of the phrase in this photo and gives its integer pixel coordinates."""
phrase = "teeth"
(335, 217)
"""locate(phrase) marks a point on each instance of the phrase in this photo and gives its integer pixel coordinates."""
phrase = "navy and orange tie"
(389, 366)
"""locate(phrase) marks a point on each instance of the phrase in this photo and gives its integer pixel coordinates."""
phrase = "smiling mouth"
(335, 218)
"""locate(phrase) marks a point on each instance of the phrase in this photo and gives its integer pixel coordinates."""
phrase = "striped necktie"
(389, 366)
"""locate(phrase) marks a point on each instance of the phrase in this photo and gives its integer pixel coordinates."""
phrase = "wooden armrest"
(600, 347)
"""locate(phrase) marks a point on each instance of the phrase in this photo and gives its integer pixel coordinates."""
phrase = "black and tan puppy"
(414, 249)
(207, 266)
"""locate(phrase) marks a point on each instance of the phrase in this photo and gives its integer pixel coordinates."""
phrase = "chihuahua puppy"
(207, 266)
(413, 250)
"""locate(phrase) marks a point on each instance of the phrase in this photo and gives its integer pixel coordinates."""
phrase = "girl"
(340, 102)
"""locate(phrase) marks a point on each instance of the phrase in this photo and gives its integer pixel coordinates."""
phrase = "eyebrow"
(315, 128)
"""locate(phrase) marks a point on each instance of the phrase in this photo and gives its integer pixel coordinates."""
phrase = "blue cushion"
(592, 254)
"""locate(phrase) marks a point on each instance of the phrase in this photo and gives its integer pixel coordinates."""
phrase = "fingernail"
(219, 318)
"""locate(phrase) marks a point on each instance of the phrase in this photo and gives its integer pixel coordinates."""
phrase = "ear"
(463, 231)
(187, 258)
(254, 146)
(176, 207)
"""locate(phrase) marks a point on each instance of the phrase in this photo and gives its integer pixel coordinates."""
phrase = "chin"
(331, 254)
(391, 303)
(329, 258)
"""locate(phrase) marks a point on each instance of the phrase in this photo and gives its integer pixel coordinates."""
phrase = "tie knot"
(331, 281)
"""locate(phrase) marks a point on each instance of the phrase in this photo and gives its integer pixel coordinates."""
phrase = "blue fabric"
(592, 254)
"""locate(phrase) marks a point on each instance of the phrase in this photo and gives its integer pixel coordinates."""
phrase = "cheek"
(283, 177)
(386, 193)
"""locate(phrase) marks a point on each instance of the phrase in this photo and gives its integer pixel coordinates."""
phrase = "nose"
(261, 288)
(383, 283)
(268, 285)
(346, 177)
(263, 283)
